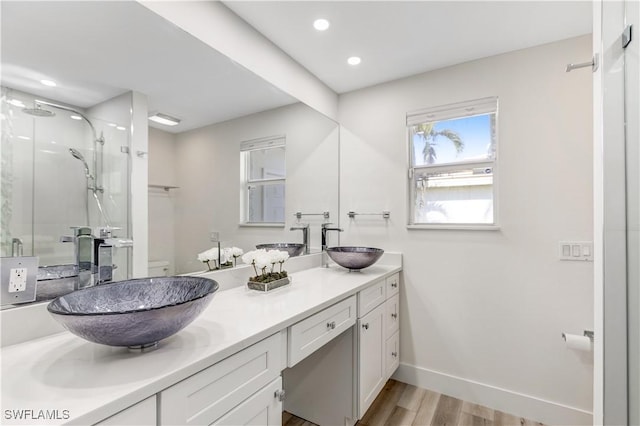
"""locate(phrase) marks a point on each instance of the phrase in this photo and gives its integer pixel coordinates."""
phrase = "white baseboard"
(515, 403)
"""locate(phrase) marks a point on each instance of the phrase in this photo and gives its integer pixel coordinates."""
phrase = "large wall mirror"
(65, 147)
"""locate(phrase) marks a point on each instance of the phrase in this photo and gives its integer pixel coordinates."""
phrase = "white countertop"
(91, 381)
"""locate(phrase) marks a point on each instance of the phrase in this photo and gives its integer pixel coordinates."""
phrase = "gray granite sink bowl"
(294, 249)
(354, 258)
(137, 313)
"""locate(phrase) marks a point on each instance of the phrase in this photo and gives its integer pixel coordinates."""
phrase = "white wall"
(208, 173)
(162, 222)
(483, 311)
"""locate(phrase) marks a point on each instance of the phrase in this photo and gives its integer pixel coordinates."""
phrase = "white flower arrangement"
(261, 259)
(232, 253)
(213, 254)
(225, 256)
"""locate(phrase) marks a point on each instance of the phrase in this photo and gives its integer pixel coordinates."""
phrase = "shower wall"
(44, 188)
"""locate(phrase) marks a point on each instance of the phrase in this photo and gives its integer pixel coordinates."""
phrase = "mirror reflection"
(245, 165)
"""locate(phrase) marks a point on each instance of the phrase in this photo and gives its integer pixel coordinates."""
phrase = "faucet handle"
(106, 231)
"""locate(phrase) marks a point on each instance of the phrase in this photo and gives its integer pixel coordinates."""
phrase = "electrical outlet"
(18, 280)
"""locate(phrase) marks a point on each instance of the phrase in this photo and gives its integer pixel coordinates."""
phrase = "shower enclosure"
(62, 167)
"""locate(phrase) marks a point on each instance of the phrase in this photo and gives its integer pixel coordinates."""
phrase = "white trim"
(598, 223)
(456, 110)
(263, 143)
(519, 404)
(260, 225)
(453, 226)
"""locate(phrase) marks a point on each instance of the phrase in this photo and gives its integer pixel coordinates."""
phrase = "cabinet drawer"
(262, 408)
(371, 297)
(312, 333)
(208, 395)
(141, 414)
(393, 284)
(392, 354)
(392, 315)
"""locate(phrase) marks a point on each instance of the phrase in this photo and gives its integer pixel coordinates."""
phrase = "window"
(263, 174)
(453, 151)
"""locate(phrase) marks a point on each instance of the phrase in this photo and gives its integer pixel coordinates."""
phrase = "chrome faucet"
(83, 248)
(325, 228)
(103, 252)
(304, 227)
(17, 247)
(94, 254)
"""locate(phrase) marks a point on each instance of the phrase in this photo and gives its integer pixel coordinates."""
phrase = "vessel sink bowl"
(354, 258)
(294, 249)
(137, 313)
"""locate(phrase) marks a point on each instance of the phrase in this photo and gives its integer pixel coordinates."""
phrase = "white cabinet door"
(392, 316)
(372, 371)
(392, 355)
(141, 414)
(206, 396)
(263, 408)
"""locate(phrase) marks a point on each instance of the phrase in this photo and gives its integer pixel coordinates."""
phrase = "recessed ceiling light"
(112, 124)
(76, 117)
(165, 119)
(49, 83)
(16, 102)
(121, 128)
(354, 60)
(321, 24)
(24, 138)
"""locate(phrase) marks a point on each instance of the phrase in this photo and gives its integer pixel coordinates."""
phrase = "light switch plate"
(576, 250)
(18, 279)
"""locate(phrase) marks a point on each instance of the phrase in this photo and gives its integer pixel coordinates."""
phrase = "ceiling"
(96, 50)
(397, 39)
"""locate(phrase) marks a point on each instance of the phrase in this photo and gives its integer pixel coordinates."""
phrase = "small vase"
(253, 285)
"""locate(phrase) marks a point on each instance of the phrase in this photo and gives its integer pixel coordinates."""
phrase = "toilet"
(158, 268)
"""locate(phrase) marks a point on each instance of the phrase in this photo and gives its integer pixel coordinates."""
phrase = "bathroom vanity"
(227, 367)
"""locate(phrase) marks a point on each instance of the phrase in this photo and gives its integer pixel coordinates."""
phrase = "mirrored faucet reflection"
(304, 227)
(94, 254)
(325, 229)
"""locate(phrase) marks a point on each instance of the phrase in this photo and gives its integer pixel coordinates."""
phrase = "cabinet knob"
(394, 354)
(331, 325)
(394, 285)
(394, 316)
(279, 394)
(365, 326)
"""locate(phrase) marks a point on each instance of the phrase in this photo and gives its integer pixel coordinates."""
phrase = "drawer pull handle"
(394, 354)
(331, 325)
(394, 316)
(394, 284)
(365, 326)
(279, 394)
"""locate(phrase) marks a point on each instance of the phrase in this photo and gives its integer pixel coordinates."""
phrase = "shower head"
(38, 111)
(78, 155)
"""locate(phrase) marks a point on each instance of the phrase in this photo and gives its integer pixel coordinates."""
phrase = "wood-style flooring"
(403, 404)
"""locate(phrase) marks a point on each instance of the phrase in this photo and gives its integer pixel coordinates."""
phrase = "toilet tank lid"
(158, 263)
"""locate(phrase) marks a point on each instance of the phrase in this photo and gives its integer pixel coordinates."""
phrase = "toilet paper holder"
(587, 333)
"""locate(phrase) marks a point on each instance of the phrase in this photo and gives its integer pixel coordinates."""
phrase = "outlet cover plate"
(8, 278)
(576, 250)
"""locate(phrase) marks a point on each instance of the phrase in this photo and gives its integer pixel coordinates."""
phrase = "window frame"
(453, 111)
(246, 182)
